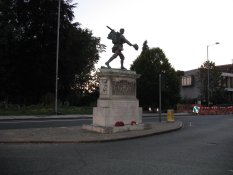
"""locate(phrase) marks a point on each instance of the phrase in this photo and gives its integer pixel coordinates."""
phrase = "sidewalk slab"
(78, 135)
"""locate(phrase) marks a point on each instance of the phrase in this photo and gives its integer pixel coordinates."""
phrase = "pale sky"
(181, 28)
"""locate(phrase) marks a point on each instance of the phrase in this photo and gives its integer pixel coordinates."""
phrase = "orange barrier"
(215, 110)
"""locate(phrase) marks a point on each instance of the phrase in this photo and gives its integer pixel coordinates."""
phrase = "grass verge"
(17, 110)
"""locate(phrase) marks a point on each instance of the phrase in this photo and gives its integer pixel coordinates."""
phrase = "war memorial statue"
(118, 40)
(117, 107)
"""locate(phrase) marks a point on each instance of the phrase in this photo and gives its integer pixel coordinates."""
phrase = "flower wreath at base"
(119, 123)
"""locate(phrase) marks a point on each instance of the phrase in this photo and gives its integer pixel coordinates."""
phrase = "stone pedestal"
(117, 102)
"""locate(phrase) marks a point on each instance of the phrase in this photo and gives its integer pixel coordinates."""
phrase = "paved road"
(62, 122)
(204, 146)
(43, 123)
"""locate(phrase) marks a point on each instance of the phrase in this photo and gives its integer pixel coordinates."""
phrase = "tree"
(151, 63)
(216, 90)
(28, 31)
(145, 46)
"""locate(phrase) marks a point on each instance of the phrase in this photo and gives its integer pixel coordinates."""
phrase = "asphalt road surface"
(204, 146)
(43, 123)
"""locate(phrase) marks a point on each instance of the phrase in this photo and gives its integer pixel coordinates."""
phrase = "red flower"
(133, 123)
(119, 123)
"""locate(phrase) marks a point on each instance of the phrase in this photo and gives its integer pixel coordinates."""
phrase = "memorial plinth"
(117, 102)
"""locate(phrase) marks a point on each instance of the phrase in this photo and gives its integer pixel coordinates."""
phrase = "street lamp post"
(57, 55)
(208, 73)
(160, 96)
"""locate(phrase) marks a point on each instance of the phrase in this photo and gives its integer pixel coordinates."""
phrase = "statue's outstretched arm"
(134, 45)
(126, 41)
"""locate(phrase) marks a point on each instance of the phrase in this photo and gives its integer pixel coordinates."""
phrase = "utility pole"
(208, 73)
(160, 105)
(57, 56)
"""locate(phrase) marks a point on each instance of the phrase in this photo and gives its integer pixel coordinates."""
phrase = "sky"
(181, 28)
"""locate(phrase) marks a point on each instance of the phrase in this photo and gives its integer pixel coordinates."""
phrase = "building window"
(186, 81)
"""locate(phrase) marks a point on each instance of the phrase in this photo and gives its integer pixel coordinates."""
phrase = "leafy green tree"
(216, 90)
(145, 47)
(151, 63)
(28, 31)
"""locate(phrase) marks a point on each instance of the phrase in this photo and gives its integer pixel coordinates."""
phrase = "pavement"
(76, 134)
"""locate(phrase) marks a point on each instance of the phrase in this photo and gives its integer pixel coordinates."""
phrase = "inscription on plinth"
(123, 87)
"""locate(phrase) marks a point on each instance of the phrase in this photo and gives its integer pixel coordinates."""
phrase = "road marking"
(190, 124)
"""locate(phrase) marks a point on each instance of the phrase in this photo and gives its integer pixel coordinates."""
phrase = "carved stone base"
(109, 112)
(117, 101)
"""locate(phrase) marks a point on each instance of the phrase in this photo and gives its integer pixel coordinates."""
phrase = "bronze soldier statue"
(118, 40)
